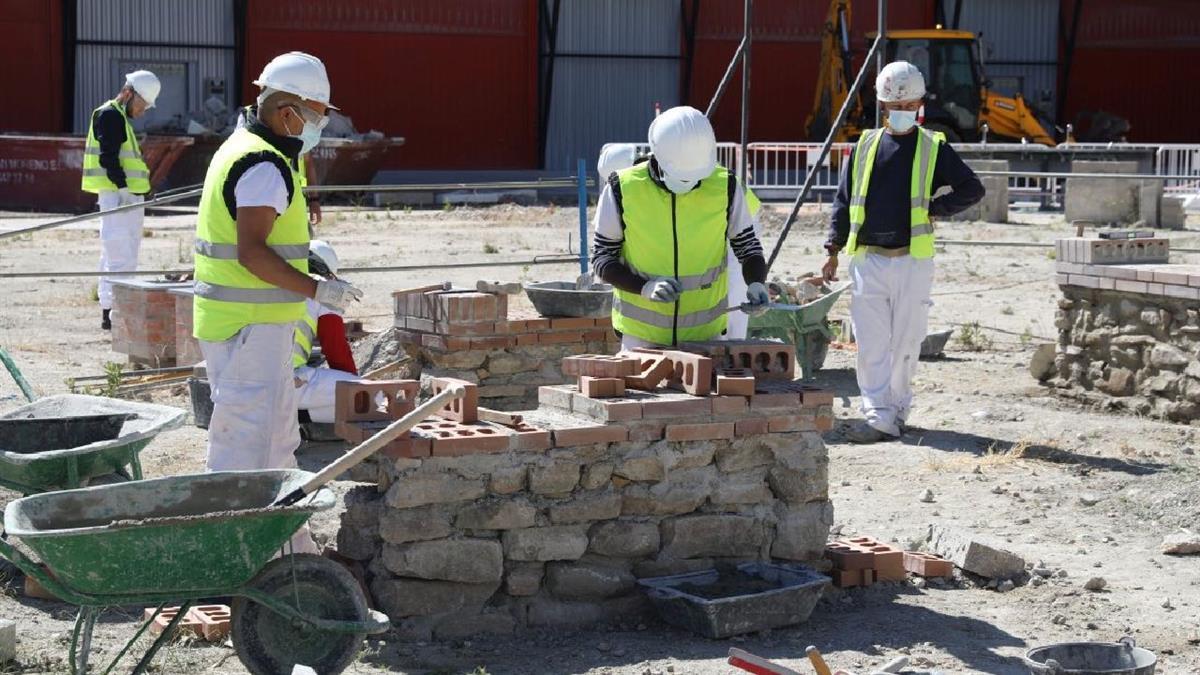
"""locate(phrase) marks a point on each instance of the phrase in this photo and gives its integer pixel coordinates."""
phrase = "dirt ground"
(1086, 493)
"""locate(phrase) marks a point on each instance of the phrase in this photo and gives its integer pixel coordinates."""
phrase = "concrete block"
(1150, 194)
(1102, 200)
(993, 208)
(8, 640)
(975, 554)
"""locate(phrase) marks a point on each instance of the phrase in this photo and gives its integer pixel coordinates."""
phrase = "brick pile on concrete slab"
(1128, 327)
(143, 321)
(470, 335)
(483, 527)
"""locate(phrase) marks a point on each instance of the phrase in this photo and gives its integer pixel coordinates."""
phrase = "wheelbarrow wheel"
(268, 643)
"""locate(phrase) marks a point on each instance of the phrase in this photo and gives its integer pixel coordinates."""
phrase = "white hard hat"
(684, 144)
(297, 73)
(614, 157)
(325, 252)
(899, 81)
(146, 84)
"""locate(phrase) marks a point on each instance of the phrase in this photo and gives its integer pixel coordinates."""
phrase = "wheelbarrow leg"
(144, 664)
(142, 629)
(72, 473)
(81, 639)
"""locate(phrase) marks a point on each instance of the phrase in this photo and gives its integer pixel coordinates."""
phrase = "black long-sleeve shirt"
(888, 219)
(108, 126)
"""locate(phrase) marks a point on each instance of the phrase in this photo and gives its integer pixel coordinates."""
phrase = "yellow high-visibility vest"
(95, 177)
(921, 242)
(306, 332)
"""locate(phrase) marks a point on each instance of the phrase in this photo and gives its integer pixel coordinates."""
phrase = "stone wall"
(1129, 336)
(549, 521)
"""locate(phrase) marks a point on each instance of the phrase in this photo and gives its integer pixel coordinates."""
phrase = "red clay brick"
(604, 322)
(847, 557)
(754, 426)
(813, 396)
(527, 339)
(692, 373)
(565, 438)
(787, 423)
(600, 365)
(729, 405)
(687, 407)
(927, 565)
(493, 342)
(735, 382)
(419, 324)
(824, 422)
(455, 344)
(888, 562)
(453, 439)
(516, 326)
(537, 325)
(646, 430)
(596, 335)
(407, 446)
(601, 387)
(654, 369)
(530, 439)
(213, 620)
(606, 410)
(572, 323)
(700, 432)
(433, 341)
(846, 578)
(775, 400)
(465, 409)
(380, 400)
(768, 361)
(188, 624)
(474, 329)
(560, 338)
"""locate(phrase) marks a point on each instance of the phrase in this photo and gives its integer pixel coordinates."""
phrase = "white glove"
(336, 294)
(124, 197)
(663, 289)
(757, 298)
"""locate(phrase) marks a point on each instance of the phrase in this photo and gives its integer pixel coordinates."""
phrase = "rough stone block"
(420, 489)
(596, 475)
(401, 526)
(586, 580)
(586, 508)
(624, 539)
(747, 487)
(399, 598)
(463, 560)
(645, 466)
(683, 492)
(8, 640)
(523, 578)
(465, 624)
(496, 514)
(507, 480)
(557, 478)
(801, 530)
(745, 454)
(562, 542)
(712, 535)
(975, 554)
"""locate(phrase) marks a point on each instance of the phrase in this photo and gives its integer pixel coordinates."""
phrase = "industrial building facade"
(522, 84)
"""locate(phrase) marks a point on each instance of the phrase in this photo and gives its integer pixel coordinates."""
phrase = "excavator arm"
(834, 78)
(1011, 118)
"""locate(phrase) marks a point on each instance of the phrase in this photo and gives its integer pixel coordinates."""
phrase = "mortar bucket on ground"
(1123, 657)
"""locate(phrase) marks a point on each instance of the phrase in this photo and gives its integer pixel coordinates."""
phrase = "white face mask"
(310, 133)
(679, 187)
(901, 121)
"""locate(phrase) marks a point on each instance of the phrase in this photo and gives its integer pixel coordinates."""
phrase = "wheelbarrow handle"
(372, 445)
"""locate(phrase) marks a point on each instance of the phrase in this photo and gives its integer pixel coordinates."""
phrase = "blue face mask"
(902, 121)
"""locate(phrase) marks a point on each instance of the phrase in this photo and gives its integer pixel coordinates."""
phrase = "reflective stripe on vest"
(95, 177)
(920, 193)
(684, 237)
(306, 331)
(228, 297)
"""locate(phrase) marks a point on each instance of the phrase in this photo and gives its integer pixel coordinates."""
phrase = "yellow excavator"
(958, 100)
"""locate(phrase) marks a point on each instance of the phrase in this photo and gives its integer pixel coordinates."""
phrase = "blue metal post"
(581, 175)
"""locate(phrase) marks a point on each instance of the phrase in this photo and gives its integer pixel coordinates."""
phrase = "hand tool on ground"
(498, 287)
(818, 662)
(740, 658)
(500, 417)
(444, 286)
(371, 445)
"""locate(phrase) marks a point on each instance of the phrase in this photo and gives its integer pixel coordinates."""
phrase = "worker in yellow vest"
(251, 262)
(114, 170)
(661, 232)
(882, 217)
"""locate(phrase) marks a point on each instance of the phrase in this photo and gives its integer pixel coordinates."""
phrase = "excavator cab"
(953, 78)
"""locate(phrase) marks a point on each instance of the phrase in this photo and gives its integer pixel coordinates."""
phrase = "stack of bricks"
(862, 561)
(469, 335)
(187, 347)
(143, 321)
(1128, 327)
(208, 622)
(491, 522)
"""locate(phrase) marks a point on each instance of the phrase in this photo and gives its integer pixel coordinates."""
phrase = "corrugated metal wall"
(1138, 60)
(1020, 41)
(784, 59)
(597, 99)
(456, 78)
(31, 49)
(116, 36)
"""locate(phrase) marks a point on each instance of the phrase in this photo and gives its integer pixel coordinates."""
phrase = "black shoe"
(105, 322)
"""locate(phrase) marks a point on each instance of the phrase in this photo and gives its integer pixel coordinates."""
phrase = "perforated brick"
(600, 366)
(691, 373)
(845, 557)
(887, 561)
(188, 624)
(453, 439)
(213, 621)
(465, 409)
(652, 370)
(927, 565)
(601, 387)
(365, 401)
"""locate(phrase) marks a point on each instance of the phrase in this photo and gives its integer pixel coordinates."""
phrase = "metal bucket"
(562, 298)
(1123, 657)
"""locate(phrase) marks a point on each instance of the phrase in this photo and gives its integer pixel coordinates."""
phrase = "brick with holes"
(365, 401)
(213, 620)
(465, 409)
(887, 561)
(691, 373)
(653, 369)
(454, 439)
(600, 366)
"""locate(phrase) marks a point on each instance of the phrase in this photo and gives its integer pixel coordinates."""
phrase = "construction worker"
(882, 217)
(113, 169)
(661, 232)
(252, 279)
(307, 177)
(317, 395)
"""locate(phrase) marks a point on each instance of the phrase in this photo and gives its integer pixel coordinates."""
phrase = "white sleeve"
(607, 223)
(262, 185)
(739, 215)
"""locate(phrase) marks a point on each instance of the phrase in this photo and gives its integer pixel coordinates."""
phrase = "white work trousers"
(253, 423)
(120, 240)
(318, 393)
(889, 309)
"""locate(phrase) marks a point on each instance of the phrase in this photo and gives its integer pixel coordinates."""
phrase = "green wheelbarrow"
(805, 326)
(180, 539)
(64, 441)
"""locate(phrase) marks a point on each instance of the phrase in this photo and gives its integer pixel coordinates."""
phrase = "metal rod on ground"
(136, 373)
(716, 99)
(812, 173)
(371, 445)
(581, 173)
(98, 214)
(17, 376)
(748, 40)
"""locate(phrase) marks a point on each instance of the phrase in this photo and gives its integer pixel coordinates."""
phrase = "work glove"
(336, 294)
(124, 197)
(662, 289)
(757, 298)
